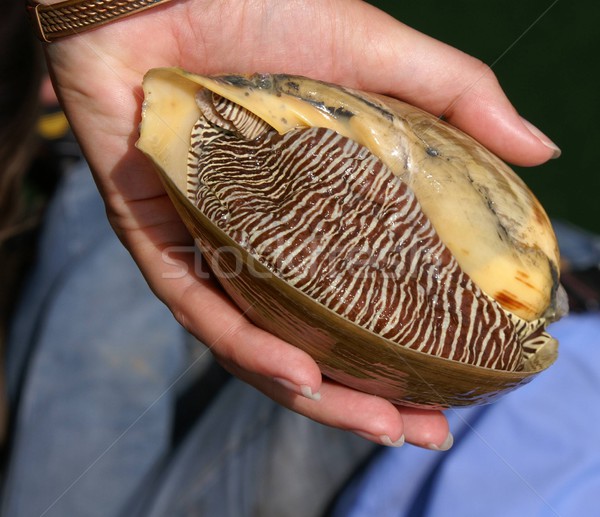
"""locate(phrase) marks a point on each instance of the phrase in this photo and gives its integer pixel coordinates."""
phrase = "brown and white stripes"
(324, 214)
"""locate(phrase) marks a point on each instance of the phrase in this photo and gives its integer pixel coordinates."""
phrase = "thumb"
(451, 84)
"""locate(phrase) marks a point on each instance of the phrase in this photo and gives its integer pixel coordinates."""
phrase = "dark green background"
(551, 75)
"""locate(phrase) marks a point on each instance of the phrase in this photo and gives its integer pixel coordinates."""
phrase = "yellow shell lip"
(169, 112)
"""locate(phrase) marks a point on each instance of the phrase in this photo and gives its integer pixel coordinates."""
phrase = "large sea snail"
(409, 261)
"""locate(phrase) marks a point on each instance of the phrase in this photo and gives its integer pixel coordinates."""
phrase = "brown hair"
(20, 67)
(20, 72)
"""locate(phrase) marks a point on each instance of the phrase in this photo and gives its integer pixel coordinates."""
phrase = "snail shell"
(404, 257)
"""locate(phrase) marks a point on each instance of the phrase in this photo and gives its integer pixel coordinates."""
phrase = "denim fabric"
(92, 355)
(250, 457)
(95, 364)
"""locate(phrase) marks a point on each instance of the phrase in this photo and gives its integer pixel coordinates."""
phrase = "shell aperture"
(347, 232)
(324, 186)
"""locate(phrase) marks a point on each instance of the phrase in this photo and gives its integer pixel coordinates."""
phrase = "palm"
(99, 76)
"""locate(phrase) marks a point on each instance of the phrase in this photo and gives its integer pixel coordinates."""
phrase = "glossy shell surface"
(359, 355)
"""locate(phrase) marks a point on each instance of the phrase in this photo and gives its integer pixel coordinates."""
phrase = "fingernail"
(305, 391)
(444, 446)
(556, 152)
(384, 439)
(387, 441)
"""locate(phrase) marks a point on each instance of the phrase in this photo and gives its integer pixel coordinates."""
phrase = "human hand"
(98, 77)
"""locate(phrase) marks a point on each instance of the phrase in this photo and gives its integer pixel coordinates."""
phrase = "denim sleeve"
(92, 356)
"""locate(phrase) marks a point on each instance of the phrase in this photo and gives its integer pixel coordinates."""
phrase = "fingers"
(245, 348)
(426, 428)
(371, 417)
(447, 82)
(368, 416)
(480, 107)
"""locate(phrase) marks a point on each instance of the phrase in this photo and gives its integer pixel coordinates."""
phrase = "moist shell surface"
(325, 215)
(359, 355)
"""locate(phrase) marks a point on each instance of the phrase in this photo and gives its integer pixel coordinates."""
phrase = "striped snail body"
(404, 257)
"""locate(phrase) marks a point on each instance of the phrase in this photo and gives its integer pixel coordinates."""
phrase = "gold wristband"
(52, 22)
